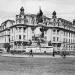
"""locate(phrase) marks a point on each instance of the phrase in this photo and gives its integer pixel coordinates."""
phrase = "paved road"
(37, 66)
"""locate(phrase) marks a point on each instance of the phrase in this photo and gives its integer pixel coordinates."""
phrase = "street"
(37, 66)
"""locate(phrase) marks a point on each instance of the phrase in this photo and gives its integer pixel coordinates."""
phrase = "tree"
(7, 46)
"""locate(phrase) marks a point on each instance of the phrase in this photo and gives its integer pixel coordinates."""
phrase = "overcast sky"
(64, 8)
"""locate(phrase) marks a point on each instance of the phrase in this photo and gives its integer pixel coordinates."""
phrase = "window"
(9, 39)
(20, 21)
(58, 32)
(19, 36)
(69, 40)
(57, 38)
(23, 29)
(24, 37)
(69, 34)
(53, 38)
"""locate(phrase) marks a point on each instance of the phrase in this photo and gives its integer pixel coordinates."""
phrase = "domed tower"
(54, 14)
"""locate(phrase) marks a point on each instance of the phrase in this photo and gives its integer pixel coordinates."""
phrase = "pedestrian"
(53, 52)
(64, 54)
(31, 52)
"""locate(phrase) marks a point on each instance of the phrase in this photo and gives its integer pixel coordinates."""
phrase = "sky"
(64, 8)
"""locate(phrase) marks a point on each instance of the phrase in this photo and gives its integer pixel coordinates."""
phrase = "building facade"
(30, 30)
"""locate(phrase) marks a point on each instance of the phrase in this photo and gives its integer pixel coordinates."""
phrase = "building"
(37, 30)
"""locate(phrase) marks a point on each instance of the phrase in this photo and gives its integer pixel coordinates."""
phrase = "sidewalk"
(38, 56)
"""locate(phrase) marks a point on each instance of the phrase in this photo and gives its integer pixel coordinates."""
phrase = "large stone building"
(30, 30)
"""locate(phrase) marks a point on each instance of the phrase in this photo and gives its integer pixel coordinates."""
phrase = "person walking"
(31, 52)
(53, 52)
